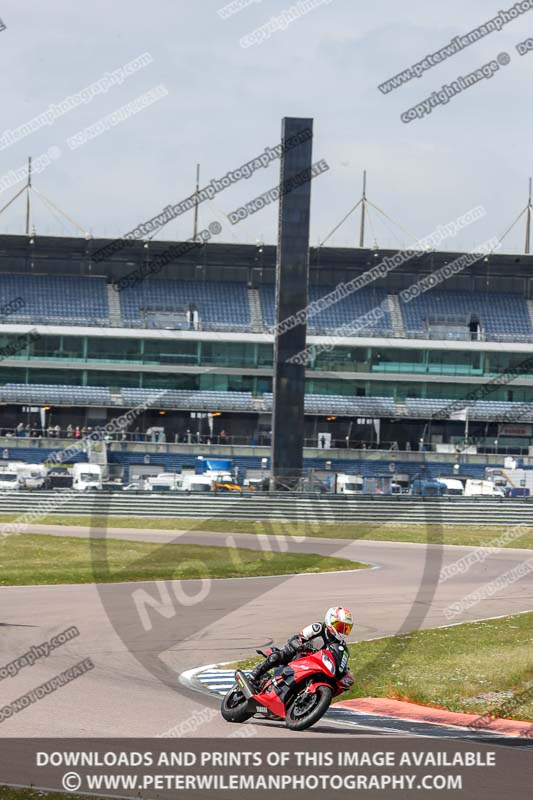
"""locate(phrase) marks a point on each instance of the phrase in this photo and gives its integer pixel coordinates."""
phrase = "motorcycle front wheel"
(306, 708)
(233, 707)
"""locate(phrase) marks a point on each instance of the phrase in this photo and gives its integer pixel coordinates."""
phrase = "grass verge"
(476, 535)
(459, 668)
(41, 559)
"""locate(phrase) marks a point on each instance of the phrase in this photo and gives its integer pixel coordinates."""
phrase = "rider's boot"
(260, 670)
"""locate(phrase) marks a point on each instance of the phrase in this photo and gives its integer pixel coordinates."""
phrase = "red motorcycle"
(300, 693)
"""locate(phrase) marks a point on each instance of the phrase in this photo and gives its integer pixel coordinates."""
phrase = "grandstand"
(501, 316)
(63, 300)
(220, 305)
(342, 313)
(193, 343)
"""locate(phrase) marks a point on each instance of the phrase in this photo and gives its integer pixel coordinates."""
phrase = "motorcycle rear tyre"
(234, 713)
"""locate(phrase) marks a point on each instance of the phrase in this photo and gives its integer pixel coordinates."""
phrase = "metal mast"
(196, 198)
(28, 187)
(528, 220)
(363, 210)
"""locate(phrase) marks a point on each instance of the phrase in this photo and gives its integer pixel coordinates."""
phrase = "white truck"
(33, 475)
(164, 482)
(10, 480)
(86, 477)
(349, 484)
(516, 479)
(479, 488)
(196, 483)
(180, 482)
(19, 475)
(454, 487)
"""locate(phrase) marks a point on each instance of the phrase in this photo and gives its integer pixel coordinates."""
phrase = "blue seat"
(346, 313)
(221, 305)
(61, 299)
(501, 315)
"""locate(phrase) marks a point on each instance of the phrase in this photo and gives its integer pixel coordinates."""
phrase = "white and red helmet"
(339, 621)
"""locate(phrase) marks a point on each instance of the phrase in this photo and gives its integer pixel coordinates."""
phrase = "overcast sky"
(225, 103)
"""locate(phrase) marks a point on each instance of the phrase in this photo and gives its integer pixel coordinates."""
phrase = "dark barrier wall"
(292, 279)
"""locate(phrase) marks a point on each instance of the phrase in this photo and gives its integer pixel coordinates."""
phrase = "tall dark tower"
(292, 282)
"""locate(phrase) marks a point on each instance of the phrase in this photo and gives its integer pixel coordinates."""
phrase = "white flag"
(459, 415)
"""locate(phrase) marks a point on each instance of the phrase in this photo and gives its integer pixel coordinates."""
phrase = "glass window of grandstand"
(13, 345)
(404, 391)
(451, 391)
(265, 355)
(114, 379)
(101, 348)
(157, 351)
(394, 360)
(345, 359)
(57, 347)
(241, 383)
(263, 385)
(228, 354)
(12, 375)
(496, 363)
(56, 377)
(165, 380)
(226, 383)
(399, 391)
(454, 362)
(516, 394)
(72, 347)
(46, 347)
(345, 388)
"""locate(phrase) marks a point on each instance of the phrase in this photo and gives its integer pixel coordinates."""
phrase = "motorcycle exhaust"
(242, 681)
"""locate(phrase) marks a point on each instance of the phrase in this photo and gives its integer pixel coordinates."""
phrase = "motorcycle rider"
(338, 623)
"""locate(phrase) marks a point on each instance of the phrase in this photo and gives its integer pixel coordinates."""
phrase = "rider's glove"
(295, 643)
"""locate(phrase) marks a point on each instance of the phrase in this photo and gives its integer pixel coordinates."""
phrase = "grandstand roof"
(54, 255)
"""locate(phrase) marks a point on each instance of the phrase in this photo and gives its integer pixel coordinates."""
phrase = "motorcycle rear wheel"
(306, 709)
(233, 707)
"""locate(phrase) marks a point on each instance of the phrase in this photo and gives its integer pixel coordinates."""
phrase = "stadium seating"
(56, 299)
(480, 410)
(225, 305)
(181, 399)
(101, 396)
(342, 405)
(346, 312)
(501, 316)
(184, 399)
(221, 306)
(58, 395)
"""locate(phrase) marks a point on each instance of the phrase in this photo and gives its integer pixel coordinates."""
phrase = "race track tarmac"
(142, 636)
